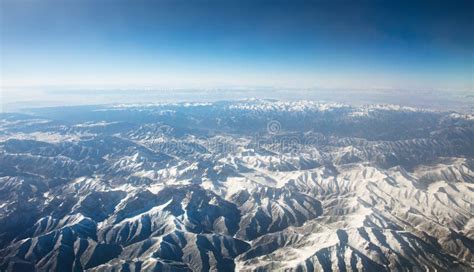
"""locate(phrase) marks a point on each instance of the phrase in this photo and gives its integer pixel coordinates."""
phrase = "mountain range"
(248, 185)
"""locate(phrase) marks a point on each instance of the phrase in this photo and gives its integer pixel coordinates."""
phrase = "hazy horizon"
(17, 100)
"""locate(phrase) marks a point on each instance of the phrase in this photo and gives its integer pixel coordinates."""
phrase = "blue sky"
(328, 44)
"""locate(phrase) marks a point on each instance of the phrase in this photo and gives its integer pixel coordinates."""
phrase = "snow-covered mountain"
(253, 185)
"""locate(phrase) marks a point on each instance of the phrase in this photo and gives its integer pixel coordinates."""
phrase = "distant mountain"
(251, 185)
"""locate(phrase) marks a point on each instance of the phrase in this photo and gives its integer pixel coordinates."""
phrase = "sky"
(413, 45)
